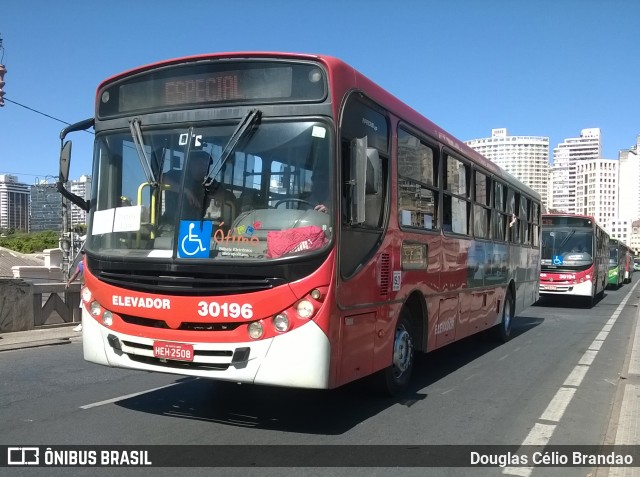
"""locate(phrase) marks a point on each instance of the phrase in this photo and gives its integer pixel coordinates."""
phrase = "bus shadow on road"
(555, 301)
(331, 412)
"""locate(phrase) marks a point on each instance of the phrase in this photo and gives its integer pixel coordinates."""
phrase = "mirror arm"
(79, 201)
(79, 126)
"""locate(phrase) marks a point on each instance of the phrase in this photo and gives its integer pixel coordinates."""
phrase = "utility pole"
(64, 243)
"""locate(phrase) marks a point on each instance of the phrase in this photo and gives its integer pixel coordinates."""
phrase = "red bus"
(280, 219)
(628, 263)
(575, 256)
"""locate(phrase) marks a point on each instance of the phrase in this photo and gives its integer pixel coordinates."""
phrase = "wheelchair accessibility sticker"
(558, 260)
(194, 239)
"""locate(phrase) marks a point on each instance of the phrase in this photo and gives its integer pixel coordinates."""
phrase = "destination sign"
(212, 83)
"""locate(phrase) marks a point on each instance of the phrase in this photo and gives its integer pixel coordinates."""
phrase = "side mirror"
(65, 162)
(365, 179)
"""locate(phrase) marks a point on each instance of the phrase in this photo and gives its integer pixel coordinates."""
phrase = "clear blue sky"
(537, 67)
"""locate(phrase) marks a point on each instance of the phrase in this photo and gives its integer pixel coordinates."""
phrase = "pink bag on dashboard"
(282, 242)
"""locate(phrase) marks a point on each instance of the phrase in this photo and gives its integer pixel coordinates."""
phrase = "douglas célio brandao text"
(550, 458)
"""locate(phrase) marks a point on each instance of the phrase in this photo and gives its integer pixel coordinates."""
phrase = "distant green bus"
(620, 263)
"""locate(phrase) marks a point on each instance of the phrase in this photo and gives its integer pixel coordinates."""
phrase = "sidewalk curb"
(33, 344)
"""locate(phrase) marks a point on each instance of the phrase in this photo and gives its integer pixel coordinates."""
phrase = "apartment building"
(629, 182)
(524, 157)
(596, 190)
(566, 156)
(14, 204)
(82, 188)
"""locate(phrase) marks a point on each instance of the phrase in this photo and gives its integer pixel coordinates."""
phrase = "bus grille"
(185, 326)
(179, 364)
(174, 284)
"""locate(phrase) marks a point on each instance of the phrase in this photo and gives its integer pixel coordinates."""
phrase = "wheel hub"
(402, 351)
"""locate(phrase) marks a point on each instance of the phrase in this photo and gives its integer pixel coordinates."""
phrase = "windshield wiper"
(566, 239)
(136, 134)
(246, 125)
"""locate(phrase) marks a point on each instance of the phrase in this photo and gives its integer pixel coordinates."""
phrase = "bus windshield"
(272, 196)
(613, 256)
(569, 249)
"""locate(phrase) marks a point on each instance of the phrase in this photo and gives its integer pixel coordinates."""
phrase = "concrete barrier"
(25, 305)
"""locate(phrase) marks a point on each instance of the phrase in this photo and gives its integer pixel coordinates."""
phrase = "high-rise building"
(634, 240)
(82, 188)
(621, 230)
(14, 204)
(566, 156)
(524, 157)
(629, 182)
(46, 207)
(596, 189)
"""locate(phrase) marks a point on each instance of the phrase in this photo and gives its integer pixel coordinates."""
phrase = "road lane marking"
(596, 345)
(576, 376)
(588, 357)
(558, 405)
(122, 398)
(541, 433)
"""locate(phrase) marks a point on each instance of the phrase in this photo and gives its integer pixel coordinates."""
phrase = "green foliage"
(30, 243)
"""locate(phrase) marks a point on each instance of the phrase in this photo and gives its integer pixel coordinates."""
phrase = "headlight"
(281, 322)
(255, 330)
(95, 308)
(107, 318)
(305, 309)
(86, 295)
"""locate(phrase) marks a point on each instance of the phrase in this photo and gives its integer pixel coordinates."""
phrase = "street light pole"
(64, 241)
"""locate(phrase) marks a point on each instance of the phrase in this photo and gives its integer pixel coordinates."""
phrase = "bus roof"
(344, 74)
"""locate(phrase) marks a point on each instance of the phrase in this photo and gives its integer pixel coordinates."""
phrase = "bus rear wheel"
(502, 331)
(395, 379)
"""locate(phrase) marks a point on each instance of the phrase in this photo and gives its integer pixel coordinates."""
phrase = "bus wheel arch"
(409, 337)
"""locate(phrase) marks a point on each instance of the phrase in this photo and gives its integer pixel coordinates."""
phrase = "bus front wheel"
(395, 379)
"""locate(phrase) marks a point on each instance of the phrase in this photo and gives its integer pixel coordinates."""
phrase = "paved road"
(473, 392)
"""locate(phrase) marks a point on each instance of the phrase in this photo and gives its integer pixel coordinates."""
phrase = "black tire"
(395, 379)
(502, 331)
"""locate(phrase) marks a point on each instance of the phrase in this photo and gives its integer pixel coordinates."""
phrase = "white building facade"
(622, 230)
(82, 188)
(566, 156)
(596, 190)
(629, 182)
(524, 157)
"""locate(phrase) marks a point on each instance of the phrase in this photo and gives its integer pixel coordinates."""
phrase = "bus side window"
(417, 182)
(455, 213)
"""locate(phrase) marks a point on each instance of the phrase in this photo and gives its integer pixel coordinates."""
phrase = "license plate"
(550, 287)
(174, 351)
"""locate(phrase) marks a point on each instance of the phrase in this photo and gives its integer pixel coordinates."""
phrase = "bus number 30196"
(225, 310)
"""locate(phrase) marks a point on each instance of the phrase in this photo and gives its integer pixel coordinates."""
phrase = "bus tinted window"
(480, 221)
(499, 196)
(456, 174)
(417, 178)
(455, 215)
(483, 188)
